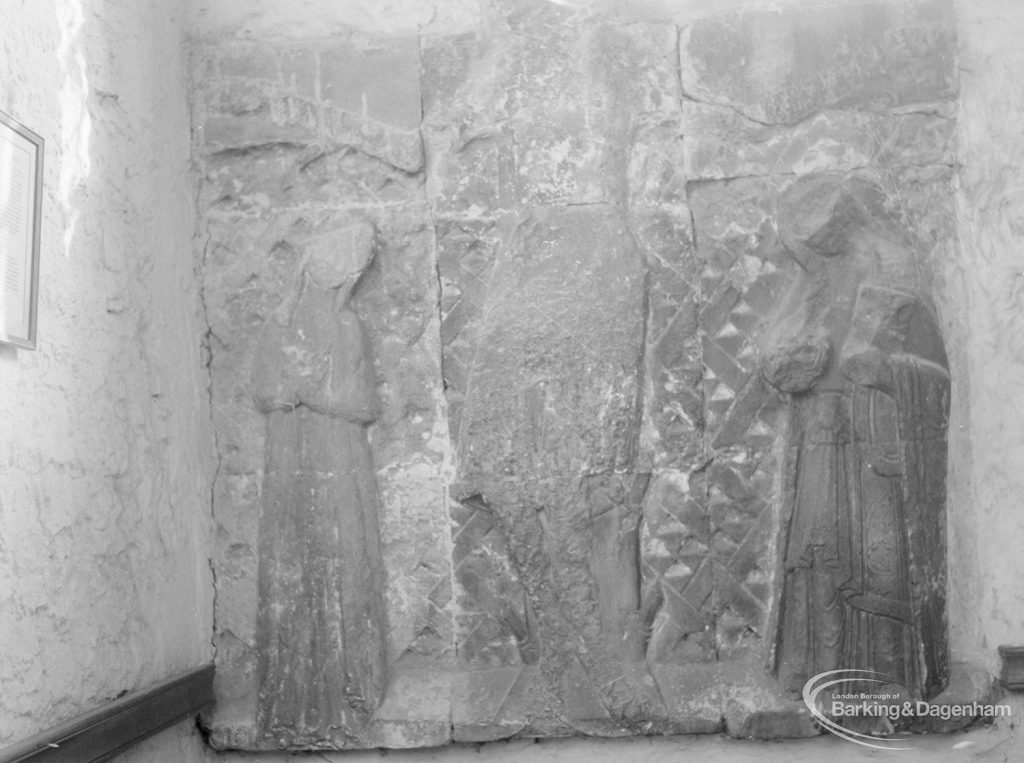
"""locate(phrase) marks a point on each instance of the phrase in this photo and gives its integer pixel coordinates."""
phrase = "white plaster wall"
(991, 223)
(104, 437)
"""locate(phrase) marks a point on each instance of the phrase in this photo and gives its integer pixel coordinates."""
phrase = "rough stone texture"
(780, 66)
(266, 187)
(48, 404)
(549, 424)
(579, 459)
(104, 429)
(999, 741)
(274, 19)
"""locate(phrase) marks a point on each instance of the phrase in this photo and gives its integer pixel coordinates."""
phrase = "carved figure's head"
(337, 258)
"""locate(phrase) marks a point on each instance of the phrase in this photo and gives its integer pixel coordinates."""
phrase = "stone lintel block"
(778, 67)
(247, 60)
(290, 67)
(448, 88)
(220, 133)
(298, 70)
(378, 79)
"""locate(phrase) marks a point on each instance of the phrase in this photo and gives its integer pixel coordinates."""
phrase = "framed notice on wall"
(21, 194)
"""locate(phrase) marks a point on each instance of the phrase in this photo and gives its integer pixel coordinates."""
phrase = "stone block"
(779, 67)
(298, 70)
(720, 143)
(376, 79)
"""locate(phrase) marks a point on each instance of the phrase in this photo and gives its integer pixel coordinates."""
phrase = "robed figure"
(321, 619)
(857, 349)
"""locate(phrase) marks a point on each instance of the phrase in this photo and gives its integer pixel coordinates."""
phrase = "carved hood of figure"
(321, 619)
(856, 348)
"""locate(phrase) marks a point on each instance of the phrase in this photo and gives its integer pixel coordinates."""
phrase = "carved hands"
(866, 365)
(795, 362)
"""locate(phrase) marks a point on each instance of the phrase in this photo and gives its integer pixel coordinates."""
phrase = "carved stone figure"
(321, 618)
(857, 349)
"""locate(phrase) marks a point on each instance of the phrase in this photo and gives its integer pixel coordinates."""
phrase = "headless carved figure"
(321, 632)
(860, 355)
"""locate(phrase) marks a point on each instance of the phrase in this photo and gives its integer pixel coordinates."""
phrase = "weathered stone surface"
(865, 554)
(721, 143)
(540, 133)
(377, 79)
(262, 200)
(578, 454)
(467, 251)
(254, 94)
(544, 382)
(269, 19)
(779, 67)
(320, 632)
(294, 177)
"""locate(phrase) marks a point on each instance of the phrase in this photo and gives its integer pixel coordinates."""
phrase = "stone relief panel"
(856, 347)
(320, 627)
(268, 186)
(592, 472)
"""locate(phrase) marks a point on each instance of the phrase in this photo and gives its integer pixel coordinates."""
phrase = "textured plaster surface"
(989, 207)
(104, 436)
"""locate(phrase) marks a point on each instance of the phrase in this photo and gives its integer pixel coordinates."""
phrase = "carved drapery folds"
(321, 620)
(856, 349)
(852, 357)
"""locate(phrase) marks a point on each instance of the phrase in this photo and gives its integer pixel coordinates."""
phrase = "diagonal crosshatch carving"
(743, 278)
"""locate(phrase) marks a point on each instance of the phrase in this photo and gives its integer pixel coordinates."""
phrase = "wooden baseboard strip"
(103, 733)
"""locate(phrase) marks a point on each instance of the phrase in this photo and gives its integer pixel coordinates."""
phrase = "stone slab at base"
(431, 706)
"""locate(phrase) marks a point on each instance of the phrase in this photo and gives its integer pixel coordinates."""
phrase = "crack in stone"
(781, 127)
(702, 181)
(207, 348)
(448, 458)
(735, 109)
